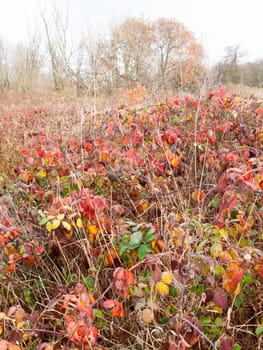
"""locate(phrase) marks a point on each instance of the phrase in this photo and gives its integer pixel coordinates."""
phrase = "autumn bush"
(133, 228)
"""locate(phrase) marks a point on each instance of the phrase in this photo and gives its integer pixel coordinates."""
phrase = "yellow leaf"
(49, 226)
(1, 330)
(55, 224)
(92, 229)
(66, 225)
(157, 246)
(79, 223)
(42, 173)
(61, 217)
(217, 309)
(92, 233)
(142, 206)
(167, 277)
(20, 325)
(162, 288)
(175, 161)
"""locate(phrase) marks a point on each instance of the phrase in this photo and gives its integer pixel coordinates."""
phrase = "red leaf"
(133, 156)
(119, 284)
(2, 240)
(221, 186)
(118, 273)
(30, 160)
(108, 304)
(124, 278)
(99, 203)
(228, 201)
(39, 250)
(220, 298)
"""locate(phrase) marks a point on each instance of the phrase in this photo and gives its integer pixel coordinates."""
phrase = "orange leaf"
(175, 161)
(129, 277)
(232, 278)
(118, 310)
(110, 256)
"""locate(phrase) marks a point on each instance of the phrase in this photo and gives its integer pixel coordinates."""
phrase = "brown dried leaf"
(14, 336)
(226, 343)
(20, 315)
(156, 274)
(147, 316)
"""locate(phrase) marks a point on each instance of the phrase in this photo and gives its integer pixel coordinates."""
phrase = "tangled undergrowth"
(134, 229)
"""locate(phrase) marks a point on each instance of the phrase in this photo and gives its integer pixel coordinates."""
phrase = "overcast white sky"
(216, 24)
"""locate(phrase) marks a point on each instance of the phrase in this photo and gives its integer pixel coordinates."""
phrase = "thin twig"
(200, 332)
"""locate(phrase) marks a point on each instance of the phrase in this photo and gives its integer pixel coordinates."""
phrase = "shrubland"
(137, 227)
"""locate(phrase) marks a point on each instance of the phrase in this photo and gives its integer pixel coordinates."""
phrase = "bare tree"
(4, 68)
(229, 69)
(57, 45)
(179, 54)
(131, 43)
(27, 62)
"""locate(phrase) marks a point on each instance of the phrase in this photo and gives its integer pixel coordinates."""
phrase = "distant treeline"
(162, 56)
(230, 70)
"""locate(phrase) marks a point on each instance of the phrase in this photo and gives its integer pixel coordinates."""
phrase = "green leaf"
(259, 330)
(219, 270)
(142, 251)
(164, 320)
(216, 250)
(101, 324)
(136, 228)
(246, 280)
(135, 240)
(234, 214)
(28, 296)
(1, 178)
(205, 320)
(43, 221)
(200, 246)
(218, 321)
(122, 248)
(173, 291)
(236, 346)
(97, 313)
(214, 202)
(131, 223)
(89, 283)
(239, 300)
(149, 236)
(197, 289)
